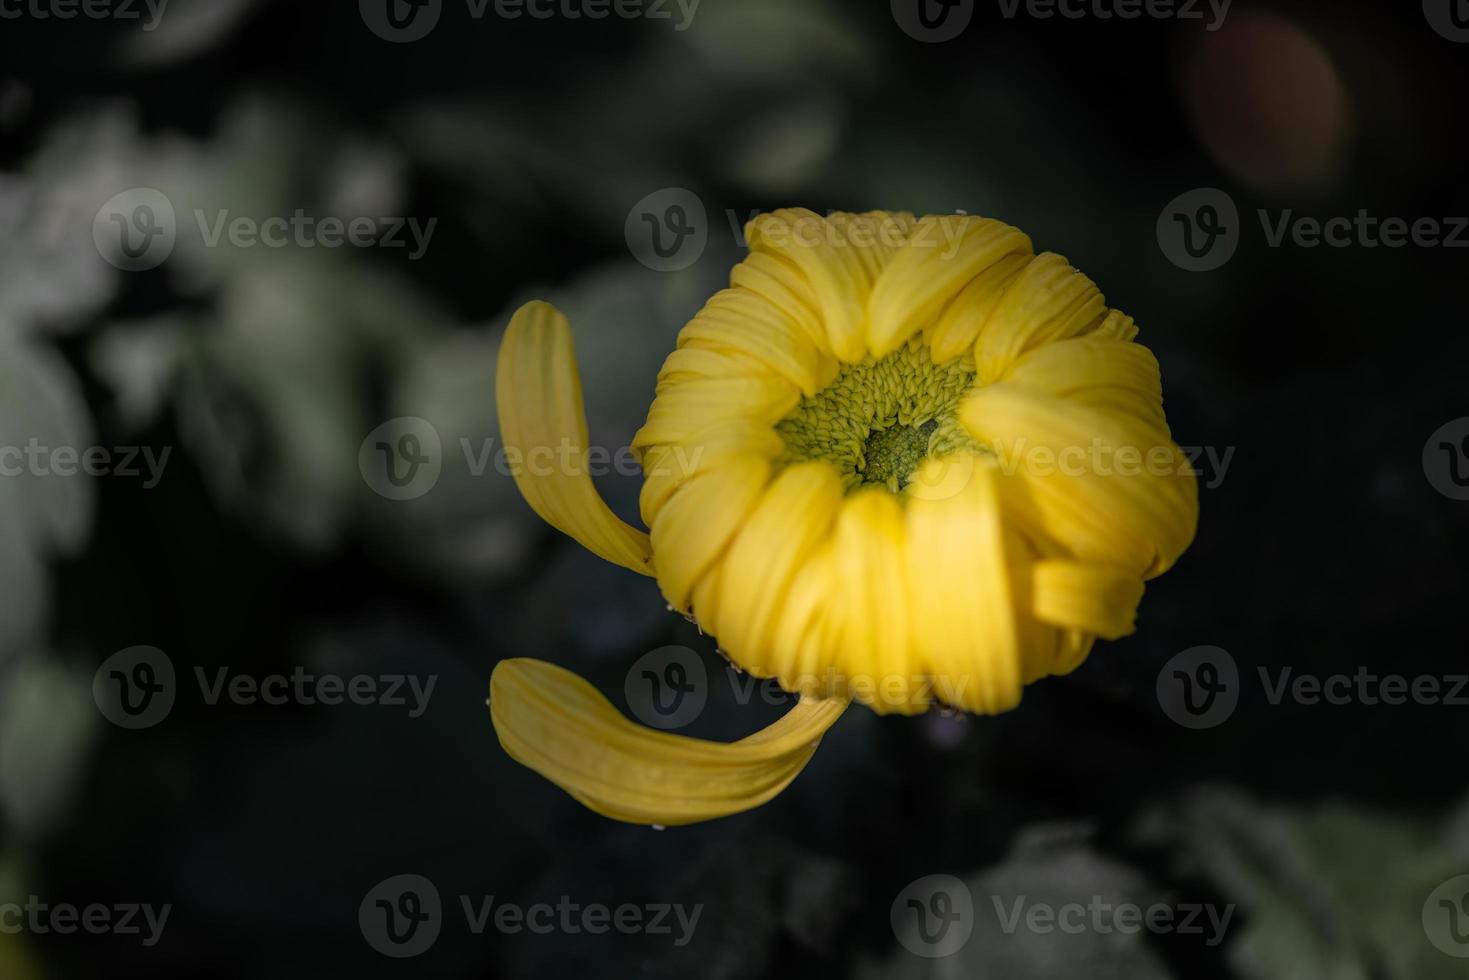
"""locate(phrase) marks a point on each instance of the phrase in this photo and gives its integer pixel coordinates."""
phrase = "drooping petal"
(960, 577)
(554, 722)
(1088, 597)
(1101, 486)
(544, 428)
(943, 253)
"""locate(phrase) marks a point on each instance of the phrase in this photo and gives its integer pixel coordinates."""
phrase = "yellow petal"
(737, 319)
(1096, 371)
(1100, 599)
(669, 466)
(544, 428)
(704, 364)
(1100, 486)
(959, 570)
(830, 263)
(791, 520)
(784, 285)
(699, 519)
(943, 253)
(681, 412)
(1116, 326)
(552, 721)
(870, 583)
(957, 326)
(876, 236)
(1047, 301)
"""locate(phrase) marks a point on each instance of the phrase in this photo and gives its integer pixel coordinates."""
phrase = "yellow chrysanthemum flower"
(904, 462)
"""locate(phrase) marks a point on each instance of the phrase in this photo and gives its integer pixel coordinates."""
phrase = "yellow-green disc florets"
(878, 419)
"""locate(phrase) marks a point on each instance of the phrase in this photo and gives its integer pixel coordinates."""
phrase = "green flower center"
(879, 419)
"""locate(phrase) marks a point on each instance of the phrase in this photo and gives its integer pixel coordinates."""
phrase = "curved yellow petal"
(959, 570)
(684, 411)
(1116, 326)
(699, 519)
(544, 427)
(1103, 487)
(791, 520)
(954, 331)
(1087, 597)
(1097, 371)
(1047, 301)
(784, 285)
(830, 263)
(740, 320)
(943, 253)
(669, 466)
(557, 724)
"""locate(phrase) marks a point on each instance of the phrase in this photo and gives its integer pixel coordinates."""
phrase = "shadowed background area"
(236, 390)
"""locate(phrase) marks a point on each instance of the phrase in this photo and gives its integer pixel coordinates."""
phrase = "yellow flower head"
(900, 461)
